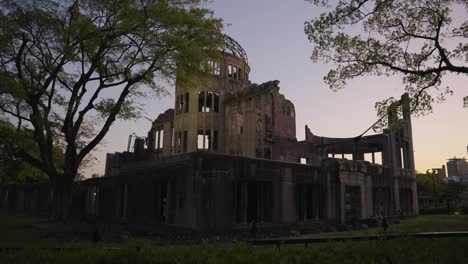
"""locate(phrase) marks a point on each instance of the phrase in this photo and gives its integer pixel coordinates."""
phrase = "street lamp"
(434, 171)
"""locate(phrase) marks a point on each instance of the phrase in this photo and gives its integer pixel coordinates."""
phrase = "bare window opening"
(241, 130)
(214, 67)
(230, 70)
(216, 102)
(201, 101)
(173, 137)
(177, 105)
(465, 102)
(217, 69)
(203, 139)
(368, 157)
(239, 73)
(184, 142)
(378, 158)
(348, 156)
(182, 104)
(215, 140)
(209, 102)
(186, 103)
(253, 201)
(302, 160)
(179, 142)
(309, 202)
(258, 153)
(160, 201)
(200, 138)
(331, 155)
(159, 139)
(267, 153)
(402, 158)
(207, 143)
(234, 72)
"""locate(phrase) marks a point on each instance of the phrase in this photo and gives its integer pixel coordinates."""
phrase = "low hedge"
(463, 209)
(435, 211)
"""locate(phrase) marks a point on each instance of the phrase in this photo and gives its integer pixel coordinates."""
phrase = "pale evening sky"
(272, 33)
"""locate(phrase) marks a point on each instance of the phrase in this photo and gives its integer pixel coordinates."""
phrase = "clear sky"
(272, 33)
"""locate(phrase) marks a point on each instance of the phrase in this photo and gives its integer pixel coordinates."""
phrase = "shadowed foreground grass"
(383, 251)
(27, 233)
(19, 230)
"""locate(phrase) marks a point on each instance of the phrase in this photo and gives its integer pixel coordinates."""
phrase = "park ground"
(26, 239)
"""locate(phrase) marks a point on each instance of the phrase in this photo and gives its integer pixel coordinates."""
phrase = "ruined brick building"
(228, 154)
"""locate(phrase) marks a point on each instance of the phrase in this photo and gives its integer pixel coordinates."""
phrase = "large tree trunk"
(62, 199)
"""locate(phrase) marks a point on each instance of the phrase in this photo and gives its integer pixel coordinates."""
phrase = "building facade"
(227, 154)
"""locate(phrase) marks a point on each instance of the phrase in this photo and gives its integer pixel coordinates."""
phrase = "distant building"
(457, 167)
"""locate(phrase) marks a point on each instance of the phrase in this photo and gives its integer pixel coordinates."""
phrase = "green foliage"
(416, 40)
(434, 211)
(69, 69)
(426, 184)
(12, 168)
(464, 209)
(429, 185)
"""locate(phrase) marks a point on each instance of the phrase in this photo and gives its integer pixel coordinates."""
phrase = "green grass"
(28, 232)
(18, 230)
(422, 223)
(21, 230)
(380, 251)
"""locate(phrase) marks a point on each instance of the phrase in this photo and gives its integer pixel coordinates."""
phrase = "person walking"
(384, 224)
(253, 228)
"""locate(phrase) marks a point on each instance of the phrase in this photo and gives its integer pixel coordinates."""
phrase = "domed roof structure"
(232, 47)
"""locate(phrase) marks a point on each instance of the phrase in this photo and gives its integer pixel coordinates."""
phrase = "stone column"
(369, 196)
(288, 214)
(414, 192)
(342, 202)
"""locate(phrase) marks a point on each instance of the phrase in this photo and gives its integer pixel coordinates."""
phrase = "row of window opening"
(207, 102)
(233, 71)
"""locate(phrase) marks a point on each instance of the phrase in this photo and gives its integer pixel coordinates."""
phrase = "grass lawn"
(18, 230)
(28, 232)
(422, 223)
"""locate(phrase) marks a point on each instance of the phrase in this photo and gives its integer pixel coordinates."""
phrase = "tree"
(416, 39)
(429, 185)
(12, 168)
(69, 69)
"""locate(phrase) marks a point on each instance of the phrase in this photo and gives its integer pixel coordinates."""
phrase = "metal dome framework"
(232, 47)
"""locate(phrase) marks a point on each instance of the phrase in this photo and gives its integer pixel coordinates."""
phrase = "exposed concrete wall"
(204, 192)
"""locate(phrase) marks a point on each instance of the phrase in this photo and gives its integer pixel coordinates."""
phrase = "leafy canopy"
(415, 39)
(12, 168)
(69, 69)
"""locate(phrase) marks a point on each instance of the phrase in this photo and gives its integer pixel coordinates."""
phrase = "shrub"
(434, 211)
